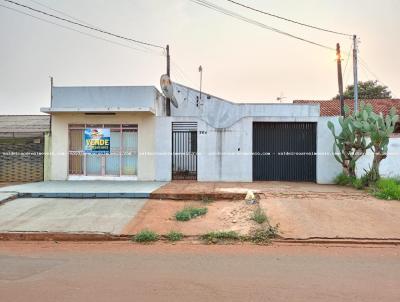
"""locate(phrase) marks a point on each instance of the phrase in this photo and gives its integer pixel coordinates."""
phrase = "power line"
(74, 18)
(73, 29)
(61, 12)
(254, 22)
(84, 26)
(289, 20)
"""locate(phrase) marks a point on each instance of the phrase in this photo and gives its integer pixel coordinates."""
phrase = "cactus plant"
(380, 130)
(351, 142)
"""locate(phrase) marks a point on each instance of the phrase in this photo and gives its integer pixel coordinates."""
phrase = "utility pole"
(201, 78)
(355, 73)
(340, 78)
(168, 104)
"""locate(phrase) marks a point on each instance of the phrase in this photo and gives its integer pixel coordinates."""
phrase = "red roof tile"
(332, 107)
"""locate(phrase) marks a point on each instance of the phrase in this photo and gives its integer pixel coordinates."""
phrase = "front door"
(184, 150)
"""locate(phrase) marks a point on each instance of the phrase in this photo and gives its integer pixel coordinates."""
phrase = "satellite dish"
(167, 89)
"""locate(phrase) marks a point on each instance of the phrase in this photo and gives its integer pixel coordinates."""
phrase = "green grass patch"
(259, 215)
(214, 237)
(387, 188)
(146, 236)
(174, 236)
(189, 213)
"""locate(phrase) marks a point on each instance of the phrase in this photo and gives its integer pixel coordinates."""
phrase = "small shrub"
(388, 188)
(174, 236)
(220, 235)
(343, 179)
(265, 234)
(259, 215)
(189, 213)
(146, 236)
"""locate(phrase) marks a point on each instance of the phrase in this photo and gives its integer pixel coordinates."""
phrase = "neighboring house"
(22, 147)
(129, 112)
(330, 110)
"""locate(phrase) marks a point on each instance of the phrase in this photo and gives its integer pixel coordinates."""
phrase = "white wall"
(223, 154)
(327, 166)
(390, 166)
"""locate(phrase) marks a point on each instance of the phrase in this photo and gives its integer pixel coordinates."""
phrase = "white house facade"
(204, 138)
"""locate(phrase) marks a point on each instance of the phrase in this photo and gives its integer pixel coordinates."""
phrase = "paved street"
(128, 272)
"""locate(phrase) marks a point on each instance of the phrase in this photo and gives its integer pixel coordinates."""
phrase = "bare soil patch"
(158, 215)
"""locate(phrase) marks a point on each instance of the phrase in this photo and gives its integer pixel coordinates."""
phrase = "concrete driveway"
(68, 215)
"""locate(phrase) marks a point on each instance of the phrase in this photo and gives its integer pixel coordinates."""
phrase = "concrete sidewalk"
(85, 189)
(68, 215)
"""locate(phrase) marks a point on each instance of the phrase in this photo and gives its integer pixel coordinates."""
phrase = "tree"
(381, 127)
(368, 90)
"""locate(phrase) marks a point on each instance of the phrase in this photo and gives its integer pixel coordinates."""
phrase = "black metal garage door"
(21, 159)
(284, 151)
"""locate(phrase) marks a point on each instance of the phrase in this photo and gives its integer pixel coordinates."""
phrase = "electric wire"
(75, 18)
(254, 22)
(84, 26)
(289, 20)
(75, 30)
(61, 12)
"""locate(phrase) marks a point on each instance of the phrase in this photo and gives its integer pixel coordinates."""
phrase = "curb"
(346, 241)
(55, 236)
(102, 237)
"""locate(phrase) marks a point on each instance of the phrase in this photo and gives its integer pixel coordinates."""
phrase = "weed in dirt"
(174, 236)
(214, 237)
(206, 199)
(264, 234)
(145, 236)
(259, 215)
(189, 213)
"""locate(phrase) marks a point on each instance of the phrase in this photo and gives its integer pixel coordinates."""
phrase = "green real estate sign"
(97, 141)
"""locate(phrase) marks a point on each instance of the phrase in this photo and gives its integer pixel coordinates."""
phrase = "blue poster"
(97, 141)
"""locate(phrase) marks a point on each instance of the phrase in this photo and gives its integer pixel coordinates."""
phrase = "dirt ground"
(158, 215)
(313, 212)
(334, 215)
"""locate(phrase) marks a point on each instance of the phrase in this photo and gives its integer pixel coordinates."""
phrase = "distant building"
(22, 147)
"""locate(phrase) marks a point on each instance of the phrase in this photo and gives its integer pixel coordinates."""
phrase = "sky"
(241, 62)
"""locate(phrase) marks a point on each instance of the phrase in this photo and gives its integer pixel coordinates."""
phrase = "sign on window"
(97, 140)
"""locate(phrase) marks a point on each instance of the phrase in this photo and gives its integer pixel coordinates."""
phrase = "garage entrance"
(21, 159)
(284, 151)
